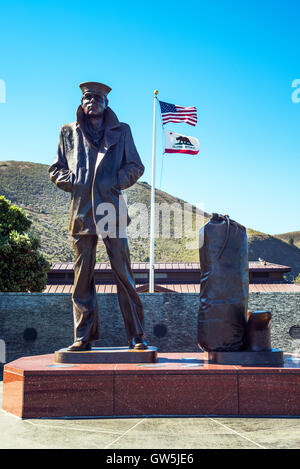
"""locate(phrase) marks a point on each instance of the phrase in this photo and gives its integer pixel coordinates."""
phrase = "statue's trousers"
(85, 310)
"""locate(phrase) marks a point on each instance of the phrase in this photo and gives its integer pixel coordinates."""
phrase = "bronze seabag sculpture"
(227, 331)
(96, 159)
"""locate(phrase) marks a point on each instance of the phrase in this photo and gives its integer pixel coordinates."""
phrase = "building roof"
(182, 288)
(179, 277)
(254, 266)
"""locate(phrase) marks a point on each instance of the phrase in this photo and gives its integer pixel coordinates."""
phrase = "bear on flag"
(178, 143)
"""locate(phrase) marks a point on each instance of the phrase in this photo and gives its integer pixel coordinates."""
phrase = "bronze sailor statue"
(96, 159)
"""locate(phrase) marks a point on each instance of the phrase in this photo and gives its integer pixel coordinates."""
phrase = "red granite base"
(178, 384)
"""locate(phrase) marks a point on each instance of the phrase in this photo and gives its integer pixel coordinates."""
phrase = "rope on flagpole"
(161, 171)
(152, 205)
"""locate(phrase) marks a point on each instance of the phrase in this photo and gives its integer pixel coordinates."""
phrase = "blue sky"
(235, 61)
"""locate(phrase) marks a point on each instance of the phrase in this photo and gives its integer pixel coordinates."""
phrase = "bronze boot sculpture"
(259, 331)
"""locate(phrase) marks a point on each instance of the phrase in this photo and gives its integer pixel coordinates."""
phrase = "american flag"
(173, 113)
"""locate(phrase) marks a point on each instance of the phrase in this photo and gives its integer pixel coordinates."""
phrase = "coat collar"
(112, 127)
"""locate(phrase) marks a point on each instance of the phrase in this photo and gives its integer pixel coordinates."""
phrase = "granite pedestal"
(181, 384)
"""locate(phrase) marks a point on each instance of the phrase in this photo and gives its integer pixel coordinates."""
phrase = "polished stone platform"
(271, 357)
(181, 384)
(103, 355)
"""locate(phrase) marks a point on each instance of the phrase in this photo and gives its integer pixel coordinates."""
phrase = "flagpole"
(152, 205)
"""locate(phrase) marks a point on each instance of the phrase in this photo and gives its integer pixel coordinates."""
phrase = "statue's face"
(93, 104)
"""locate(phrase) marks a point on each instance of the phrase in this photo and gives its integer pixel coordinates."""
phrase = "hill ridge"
(27, 185)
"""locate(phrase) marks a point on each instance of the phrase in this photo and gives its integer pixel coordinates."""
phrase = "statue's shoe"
(79, 346)
(138, 343)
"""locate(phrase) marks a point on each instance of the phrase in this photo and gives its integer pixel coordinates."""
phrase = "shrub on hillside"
(22, 267)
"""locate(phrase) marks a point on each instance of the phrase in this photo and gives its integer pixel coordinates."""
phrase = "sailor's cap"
(94, 87)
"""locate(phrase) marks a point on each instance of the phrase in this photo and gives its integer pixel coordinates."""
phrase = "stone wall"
(40, 323)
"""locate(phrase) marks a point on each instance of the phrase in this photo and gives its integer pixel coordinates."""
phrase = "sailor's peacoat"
(95, 176)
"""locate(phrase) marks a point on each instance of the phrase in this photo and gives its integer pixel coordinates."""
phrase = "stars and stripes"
(173, 113)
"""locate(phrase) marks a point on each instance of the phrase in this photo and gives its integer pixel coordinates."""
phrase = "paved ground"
(149, 433)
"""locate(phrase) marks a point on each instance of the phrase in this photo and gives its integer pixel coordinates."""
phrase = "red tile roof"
(185, 288)
(171, 266)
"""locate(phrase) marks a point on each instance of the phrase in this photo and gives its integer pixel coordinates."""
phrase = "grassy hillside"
(28, 186)
(274, 250)
(294, 235)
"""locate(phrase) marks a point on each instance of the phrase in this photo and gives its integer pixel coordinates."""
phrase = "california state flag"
(177, 143)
